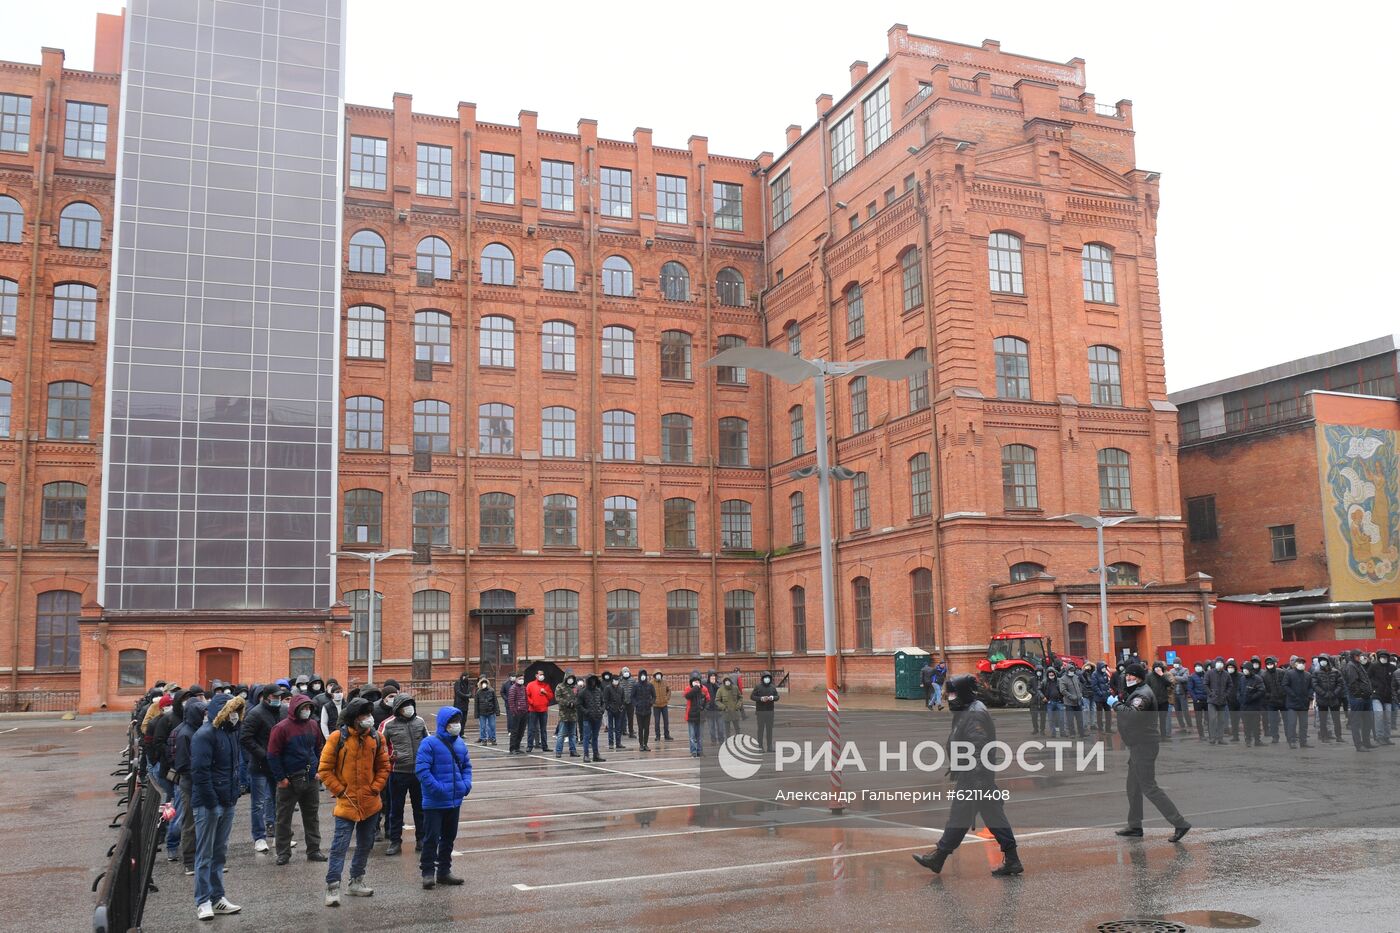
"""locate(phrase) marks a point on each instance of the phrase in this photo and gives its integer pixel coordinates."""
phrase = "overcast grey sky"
(1263, 121)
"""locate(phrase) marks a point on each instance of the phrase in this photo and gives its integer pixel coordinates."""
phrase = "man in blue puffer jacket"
(214, 754)
(444, 770)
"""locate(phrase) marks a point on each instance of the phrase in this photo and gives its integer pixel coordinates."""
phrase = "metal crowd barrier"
(121, 889)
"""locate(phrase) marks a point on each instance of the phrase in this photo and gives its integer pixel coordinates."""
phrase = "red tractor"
(1005, 676)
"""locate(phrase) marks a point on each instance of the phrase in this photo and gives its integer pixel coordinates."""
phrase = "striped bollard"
(833, 735)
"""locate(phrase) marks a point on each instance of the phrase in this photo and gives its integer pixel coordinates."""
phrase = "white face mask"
(337, 696)
(1321, 663)
(454, 728)
(304, 714)
(1219, 666)
(366, 723)
(768, 680)
(1298, 666)
(1198, 668)
(407, 711)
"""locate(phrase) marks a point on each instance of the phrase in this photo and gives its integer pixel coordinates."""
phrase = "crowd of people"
(282, 744)
(1224, 697)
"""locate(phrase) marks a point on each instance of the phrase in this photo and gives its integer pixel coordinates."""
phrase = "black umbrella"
(553, 673)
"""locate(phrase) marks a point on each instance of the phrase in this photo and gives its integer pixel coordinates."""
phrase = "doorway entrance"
(218, 664)
(497, 648)
(1126, 640)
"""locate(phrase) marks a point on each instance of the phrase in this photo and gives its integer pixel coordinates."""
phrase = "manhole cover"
(1140, 926)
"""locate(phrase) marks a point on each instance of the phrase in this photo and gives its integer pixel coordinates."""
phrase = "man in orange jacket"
(538, 696)
(354, 768)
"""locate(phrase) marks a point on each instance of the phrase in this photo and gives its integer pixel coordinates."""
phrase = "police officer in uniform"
(1137, 727)
(972, 725)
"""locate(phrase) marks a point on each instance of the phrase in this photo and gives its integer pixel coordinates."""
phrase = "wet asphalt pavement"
(637, 841)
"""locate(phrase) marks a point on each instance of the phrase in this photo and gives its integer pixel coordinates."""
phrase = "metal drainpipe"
(921, 203)
(595, 497)
(29, 385)
(711, 425)
(466, 424)
(834, 434)
(762, 285)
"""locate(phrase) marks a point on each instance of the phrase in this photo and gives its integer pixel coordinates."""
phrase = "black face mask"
(958, 702)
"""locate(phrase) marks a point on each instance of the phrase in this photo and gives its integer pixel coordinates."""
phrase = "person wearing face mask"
(643, 696)
(1330, 694)
(661, 707)
(316, 688)
(1196, 695)
(354, 768)
(444, 769)
(254, 735)
(1218, 684)
(384, 709)
(1233, 701)
(517, 712)
(730, 702)
(1274, 703)
(293, 754)
(329, 711)
(1137, 727)
(1161, 693)
(538, 695)
(612, 703)
(403, 731)
(590, 715)
(628, 686)
(1101, 686)
(1381, 696)
(1252, 702)
(1037, 706)
(1394, 691)
(179, 754)
(487, 707)
(1357, 681)
(214, 753)
(973, 725)
(1072, 692)
(712, 713)
(567, 701)
(1054, 702)
(765, 700)
(696, 699)
(1297, 697)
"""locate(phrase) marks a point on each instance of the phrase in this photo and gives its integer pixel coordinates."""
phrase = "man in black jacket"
(1274, 704)
(1161, 695)
(1297, 697)
(1137, 727)
(972, 726)
(253, 736)
(1217, 699)
(1327, 687)
(765, 698)
(643, 696)
(1381, 696)
(1252, 702)
(1358, 686)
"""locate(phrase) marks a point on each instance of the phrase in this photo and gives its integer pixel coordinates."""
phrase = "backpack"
(345, 737)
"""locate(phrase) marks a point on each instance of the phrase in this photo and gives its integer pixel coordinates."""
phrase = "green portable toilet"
(907, 664)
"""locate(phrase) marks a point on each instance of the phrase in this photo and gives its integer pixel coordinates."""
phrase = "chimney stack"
(859, 70)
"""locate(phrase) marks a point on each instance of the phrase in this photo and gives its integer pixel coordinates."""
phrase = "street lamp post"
(1099, 523)
(373, 557)
(794, 370)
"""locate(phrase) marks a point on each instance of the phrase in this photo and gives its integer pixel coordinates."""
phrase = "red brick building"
(525, 315)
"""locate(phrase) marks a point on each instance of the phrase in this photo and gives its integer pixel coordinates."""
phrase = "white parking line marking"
(83, 729)
(8, 731)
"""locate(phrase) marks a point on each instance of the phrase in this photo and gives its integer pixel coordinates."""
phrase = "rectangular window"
(860, 409)
(670, 199)
(797, 506)
(1200, 518)
(780, 194)
(615, 191)
(843, 146)
(682, 622)
(865, 639)
(731, 375)
(556, 185)
(85, 131)
(729, 206)
(14, 123)
(679, 523)
(364, 333)
(560, 521)
(1285, 545)
(497, 178)
(860, 502)
(799, 620)
(876, 112)
(369, 162)
(434, 170)
(738, 621)
(557, 432)
(561, 624)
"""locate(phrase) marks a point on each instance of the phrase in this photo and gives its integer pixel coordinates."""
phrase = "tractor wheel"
(1016, 689)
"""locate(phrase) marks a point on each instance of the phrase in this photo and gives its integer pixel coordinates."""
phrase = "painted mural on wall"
(1362, 511)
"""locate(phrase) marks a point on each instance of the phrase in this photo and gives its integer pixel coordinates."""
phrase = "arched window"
(561, 624)
(70, 411)
(359, 624)
(495, 428)
(736, 525)
(432, 336)
(364, 332)
(913, 277)
(683, 622)
(497, 341)
(11, 220)
(56, 645)
(1004, 266)
(920, 486)
(794, 338)
(1124, 573)
(367, 252)
(497, 265)
(675, 282)
(733, 442)
(364, 516)
(731, 375)
(301, 661)
(677, 438)
(860, 592)
(1013, 367)
(619, 351)
(1078, 643)
(860, 502)
(624, 622)
(558, 431)
(560, 520)
(855, 312)
(619, 435)
(74, 312)
(1181, 632)
(557, 271)
(432, 426)
(131, 669)
(1115, 481)
(557, 349)
(729, 287)
(1098, 273)
(619, 521)
(497, 519)
(617, 277)
(1105, 376)
(64, 516)
(921, 593)
(797, 435)
(918, 383)
(1025, 570)
(364, 423)
(430, 518)
(798, 595)
(80, 226)
(797, 517)
(675, 354)
(434, 258)
(9, 306)
(6, 400)
(738, 621)
(1018, 479)
(432, 625)
(678, 523)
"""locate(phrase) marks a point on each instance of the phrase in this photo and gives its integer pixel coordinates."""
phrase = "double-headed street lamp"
(1099, 523)
(373, 557)
(794, 370)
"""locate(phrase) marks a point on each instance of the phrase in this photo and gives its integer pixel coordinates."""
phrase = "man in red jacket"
(293, 755)
(538, 696)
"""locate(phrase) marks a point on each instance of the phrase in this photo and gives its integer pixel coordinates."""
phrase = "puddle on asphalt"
(1213, 919)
